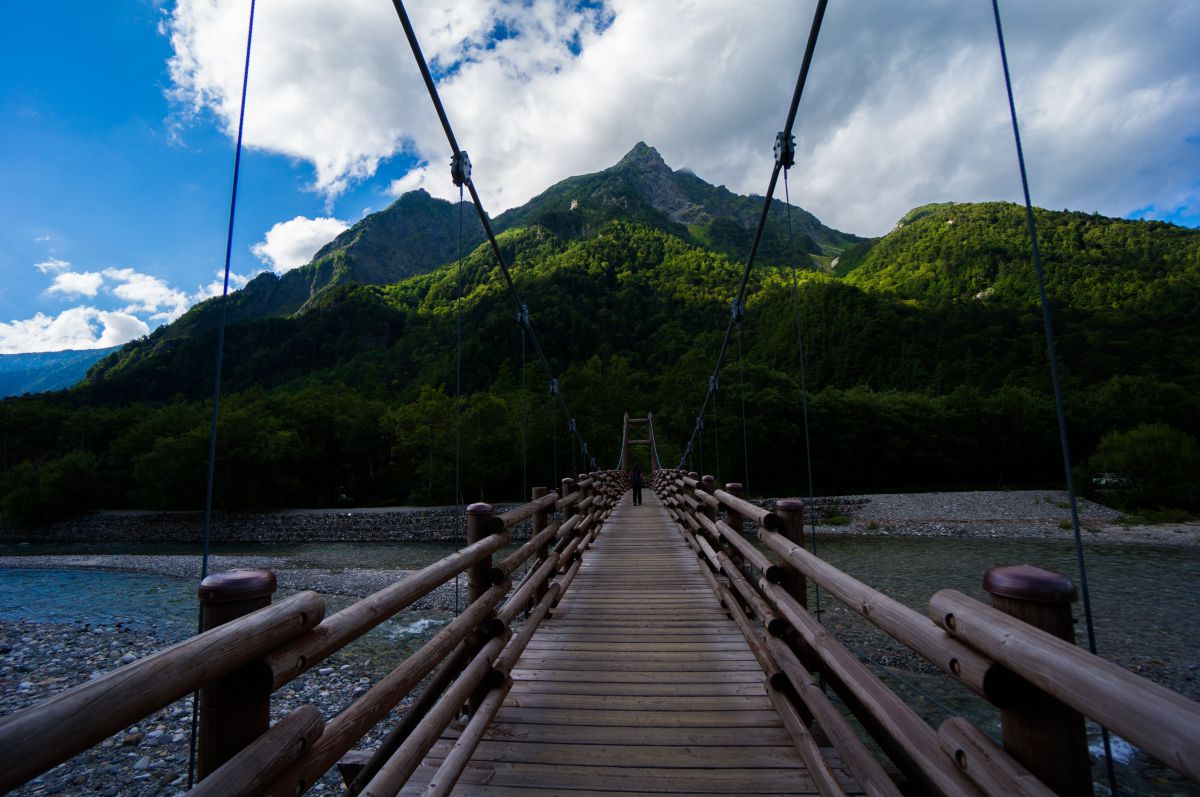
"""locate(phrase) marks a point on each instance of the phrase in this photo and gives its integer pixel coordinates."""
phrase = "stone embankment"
(386, 524)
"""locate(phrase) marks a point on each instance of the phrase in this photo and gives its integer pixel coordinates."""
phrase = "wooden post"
(1044, 734)
(234, 709)
(710, 486)
(791, 512)
(479, 526)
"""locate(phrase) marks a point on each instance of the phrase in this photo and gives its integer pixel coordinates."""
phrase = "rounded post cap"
(481, 508)
(733, 487)
(1029, 583)
(708, 480)
(789, 505)
(236, 585)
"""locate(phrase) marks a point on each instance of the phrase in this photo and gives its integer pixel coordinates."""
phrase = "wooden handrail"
(349, 726)
(1163, 723)
(977, 672)
(525, 511)
(767, 520)
(357, 619)
(36, 738)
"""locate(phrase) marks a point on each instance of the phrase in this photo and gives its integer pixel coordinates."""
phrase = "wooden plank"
(637, 683)
(643, 676)
(642, 703)
(651, 735)
(670, 688)
(636, 780)
(639, 718)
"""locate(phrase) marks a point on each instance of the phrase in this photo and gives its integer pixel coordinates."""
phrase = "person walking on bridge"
(635, 481)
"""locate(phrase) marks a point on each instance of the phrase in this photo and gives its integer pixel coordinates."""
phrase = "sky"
(118, 121)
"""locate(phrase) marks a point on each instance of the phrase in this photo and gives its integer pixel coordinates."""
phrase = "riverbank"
(983, 514)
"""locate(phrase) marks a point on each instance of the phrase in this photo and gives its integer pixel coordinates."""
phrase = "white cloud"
(290, 244)
(74, 284)
(76, 328)
(147, 294)
(52, 264)
(217, 286)
(905, 102)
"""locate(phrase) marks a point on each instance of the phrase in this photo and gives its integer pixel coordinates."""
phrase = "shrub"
(1151, 466)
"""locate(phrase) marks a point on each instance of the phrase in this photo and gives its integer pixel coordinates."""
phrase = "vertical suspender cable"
(216, 399)
(524, 429)
(458, 502)
(716, 438)
(742, 386)
(1054, 379)
(812, 493)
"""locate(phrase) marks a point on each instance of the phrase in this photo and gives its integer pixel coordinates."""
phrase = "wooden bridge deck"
(638, 684)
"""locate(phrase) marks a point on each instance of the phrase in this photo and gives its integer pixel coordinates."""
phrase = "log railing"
(1018, 654)
(264, 648)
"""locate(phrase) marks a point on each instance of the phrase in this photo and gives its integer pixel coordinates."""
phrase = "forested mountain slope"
(926, 364)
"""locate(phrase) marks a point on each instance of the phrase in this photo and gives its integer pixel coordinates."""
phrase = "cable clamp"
(785, 149)
(553, 387)
(584, 446)
(713, 385)
(460, 168)
(738, 310)
(570, 425)
(699, 423)
(523, 316)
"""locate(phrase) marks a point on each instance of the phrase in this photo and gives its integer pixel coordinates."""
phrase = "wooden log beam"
(529, 587)
(995, 772)
(775, 625)
(818, 768)
(393, 775)
(859, 760)
(510, 563)
(765, 519)
(525, 511)
(360, 716)
(446, 672)
(516, 646)
(265, 757)
(460, 753)
(975, 671)
(915, 744)
(756, 558)
(1163, 723)
(36, 738)
(357, 619)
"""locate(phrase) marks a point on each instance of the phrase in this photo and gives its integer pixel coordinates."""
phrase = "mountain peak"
(642, 156)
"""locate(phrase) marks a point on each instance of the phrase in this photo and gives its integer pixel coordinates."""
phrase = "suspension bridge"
(666, 648)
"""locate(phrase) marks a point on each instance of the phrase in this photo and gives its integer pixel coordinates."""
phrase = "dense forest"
(925, 361)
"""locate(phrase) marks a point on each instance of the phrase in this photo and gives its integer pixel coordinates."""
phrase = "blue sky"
(116, 144)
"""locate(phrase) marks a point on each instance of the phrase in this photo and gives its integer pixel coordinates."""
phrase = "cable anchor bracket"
(785, 149)
(460, 168)
(738, 310)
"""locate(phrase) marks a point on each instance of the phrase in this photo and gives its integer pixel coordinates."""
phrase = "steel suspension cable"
(216, 398)
(484, 219)
(797, 93)
(1055, 383)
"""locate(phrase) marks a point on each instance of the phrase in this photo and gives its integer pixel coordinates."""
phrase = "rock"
(132, 740)
(142, 763)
